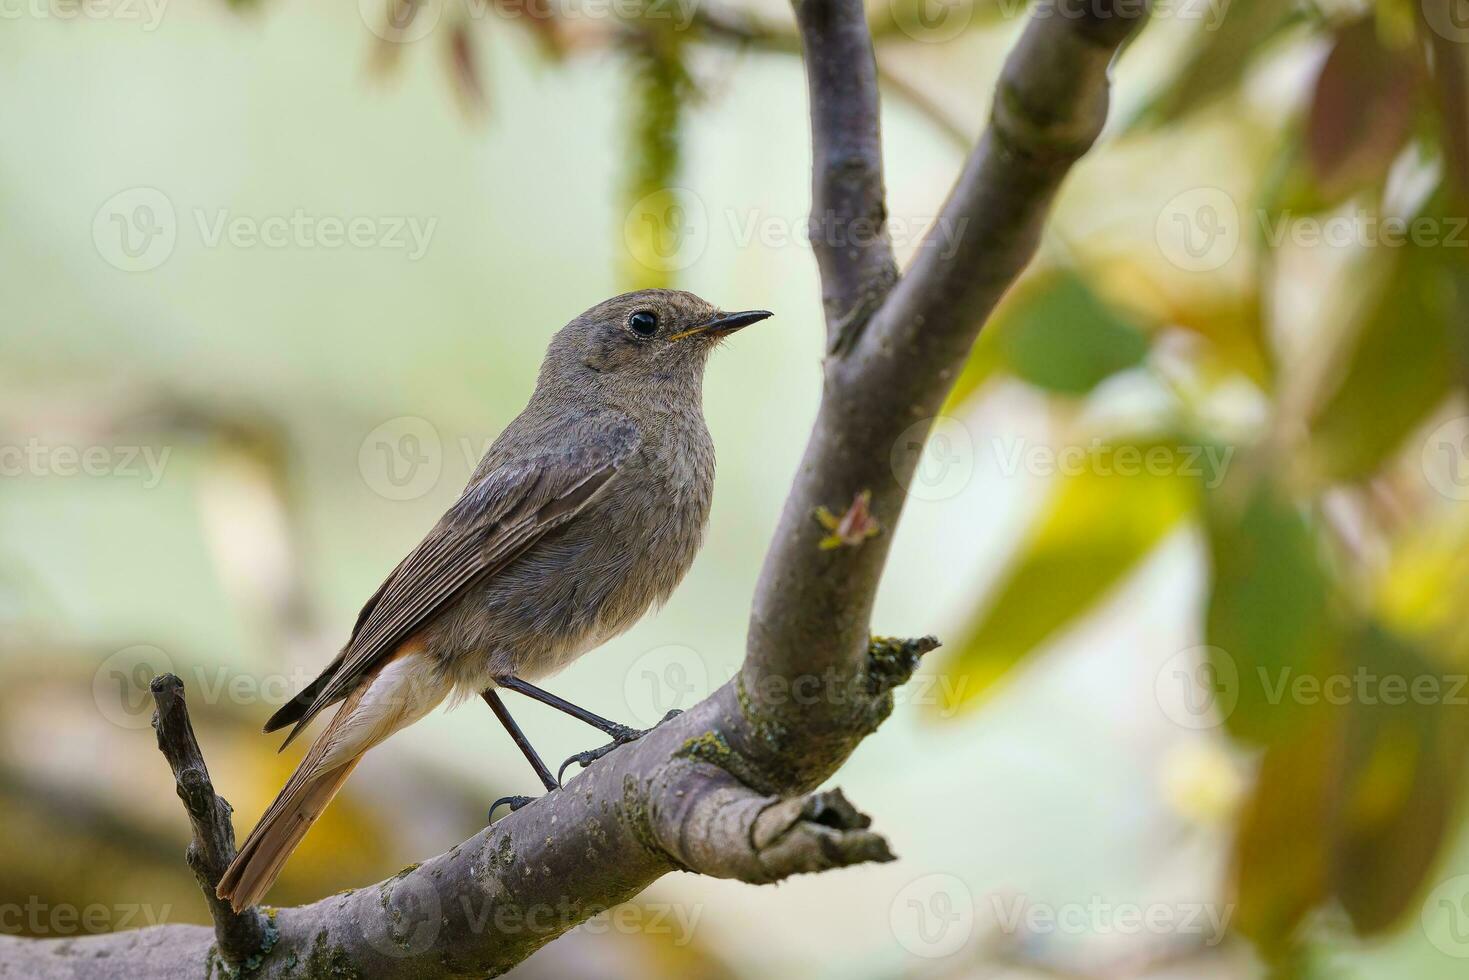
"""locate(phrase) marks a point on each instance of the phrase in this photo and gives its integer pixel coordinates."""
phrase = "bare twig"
(241, 935)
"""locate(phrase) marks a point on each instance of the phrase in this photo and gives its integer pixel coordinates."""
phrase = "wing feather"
(495, 520)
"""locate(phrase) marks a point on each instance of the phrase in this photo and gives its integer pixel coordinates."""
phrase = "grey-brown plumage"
(586, 511)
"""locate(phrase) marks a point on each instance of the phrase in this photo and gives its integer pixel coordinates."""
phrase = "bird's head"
(652, 336)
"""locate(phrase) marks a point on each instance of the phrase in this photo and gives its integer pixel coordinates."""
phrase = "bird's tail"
(401, 692)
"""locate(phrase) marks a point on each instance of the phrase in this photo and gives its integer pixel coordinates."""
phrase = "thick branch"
(677, 799)
(243, 935)
(813, 606)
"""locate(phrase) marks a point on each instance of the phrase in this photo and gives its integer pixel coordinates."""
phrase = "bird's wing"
(496, 519)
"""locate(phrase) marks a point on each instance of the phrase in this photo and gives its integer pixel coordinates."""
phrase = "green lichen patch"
(217, 965)
(328, 961)
(709, 747)
(891, 661)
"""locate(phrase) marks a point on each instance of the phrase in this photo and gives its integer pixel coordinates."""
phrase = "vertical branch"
(848, 206)
(813, 607)
(240, 935)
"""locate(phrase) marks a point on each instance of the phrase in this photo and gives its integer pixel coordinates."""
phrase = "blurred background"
(1193, 526)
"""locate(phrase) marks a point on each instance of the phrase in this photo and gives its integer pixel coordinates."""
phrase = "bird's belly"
(569, 593)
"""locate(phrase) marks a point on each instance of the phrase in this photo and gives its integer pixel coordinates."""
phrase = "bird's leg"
(561, 704)
(590, 756)
(549, 781)
(621, 734)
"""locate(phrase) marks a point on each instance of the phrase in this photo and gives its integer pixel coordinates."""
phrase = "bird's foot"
(620, 736)
(514, 802)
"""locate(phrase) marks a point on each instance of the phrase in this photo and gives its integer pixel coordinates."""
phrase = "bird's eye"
(643, 323)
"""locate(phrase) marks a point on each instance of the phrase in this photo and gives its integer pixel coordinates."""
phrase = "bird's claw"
(514, 802)
(621, 736)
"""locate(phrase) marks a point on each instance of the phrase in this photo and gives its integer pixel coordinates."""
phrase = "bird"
(585, 512)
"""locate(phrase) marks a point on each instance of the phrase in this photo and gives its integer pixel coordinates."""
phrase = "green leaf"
(1403, 763)
(1355, 801)
(1057, 334)
(1101, 521)
(1270, 614)
(1282, 849)
(1401, 367)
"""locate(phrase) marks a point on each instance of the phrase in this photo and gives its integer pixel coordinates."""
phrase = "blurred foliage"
(1101, 521)
(1333, 558)
(656, 220)
(1329, 559)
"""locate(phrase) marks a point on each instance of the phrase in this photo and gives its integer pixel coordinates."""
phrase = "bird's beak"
(725, 323)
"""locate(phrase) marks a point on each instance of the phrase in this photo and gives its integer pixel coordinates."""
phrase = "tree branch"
(241, 936)
(721, 789)
(848, 202)
(812, 606)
